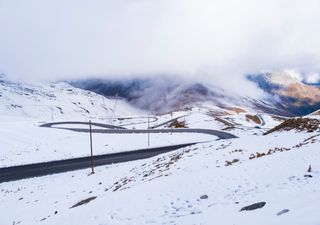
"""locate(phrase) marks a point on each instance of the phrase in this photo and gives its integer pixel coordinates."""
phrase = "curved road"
(46, 168)
(81, 123)
(120, 130)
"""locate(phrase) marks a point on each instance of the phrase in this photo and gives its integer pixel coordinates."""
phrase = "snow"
(283, 78)
(165, 189)
(24, 142)
(57, 101)
(156, 194)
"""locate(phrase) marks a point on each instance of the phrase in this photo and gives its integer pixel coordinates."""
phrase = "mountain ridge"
(285, 95)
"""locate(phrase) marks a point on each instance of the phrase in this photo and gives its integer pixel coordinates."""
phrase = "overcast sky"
(211, 39)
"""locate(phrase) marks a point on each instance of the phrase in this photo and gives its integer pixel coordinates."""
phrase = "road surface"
(120, 130)
(47, 168)
(81, 123)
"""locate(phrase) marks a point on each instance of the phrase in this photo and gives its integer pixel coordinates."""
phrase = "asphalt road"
(81, 123)
(120, 130)
(47, 168)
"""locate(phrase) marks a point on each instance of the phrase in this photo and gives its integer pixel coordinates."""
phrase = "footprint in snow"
(181, 208)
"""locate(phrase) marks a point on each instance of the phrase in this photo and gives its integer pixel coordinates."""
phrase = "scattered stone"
(229, 163)
(83, 202)
(283, 212)
(204, 197)
(308, 176)
(253, 206)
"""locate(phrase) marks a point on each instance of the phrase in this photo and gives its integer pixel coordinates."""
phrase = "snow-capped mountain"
(158, 94)
(292, 94)
(268, 175)
(56, 101)
(285, 95)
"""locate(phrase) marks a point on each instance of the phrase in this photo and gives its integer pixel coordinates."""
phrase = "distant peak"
(281, 78)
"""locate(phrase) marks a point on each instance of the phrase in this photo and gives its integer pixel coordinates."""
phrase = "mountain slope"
(293, 95)
(56, 101)
(163, 94)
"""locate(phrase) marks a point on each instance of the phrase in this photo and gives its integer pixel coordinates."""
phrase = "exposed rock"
(298, 124)
(204, 197)
(253, 118)
(283, 212)
(253, 206)
(308, 176)
(83, 202)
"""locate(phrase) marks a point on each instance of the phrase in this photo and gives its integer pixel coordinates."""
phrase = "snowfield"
(194, 185)
(24, 142)
(213, 182)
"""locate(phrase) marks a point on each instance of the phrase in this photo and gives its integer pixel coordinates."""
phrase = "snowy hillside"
(56, 101)
(269, 174)
(217, 181)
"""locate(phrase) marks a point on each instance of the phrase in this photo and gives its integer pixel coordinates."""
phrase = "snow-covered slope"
(212, 182)
(203, 184)
(280, 78)
(56, 101)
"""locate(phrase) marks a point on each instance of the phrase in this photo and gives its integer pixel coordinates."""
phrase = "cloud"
(213, 40)
(294, 73)
(313, 78)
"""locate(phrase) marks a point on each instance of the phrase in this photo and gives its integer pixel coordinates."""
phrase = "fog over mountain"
(283, 94)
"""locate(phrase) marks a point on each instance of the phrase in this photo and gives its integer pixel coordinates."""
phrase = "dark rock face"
(253, 206)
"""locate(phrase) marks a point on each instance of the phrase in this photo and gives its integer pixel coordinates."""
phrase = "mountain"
(285, 95)
(55, 101)
(293, 95)
(158, 94)
(269, 174)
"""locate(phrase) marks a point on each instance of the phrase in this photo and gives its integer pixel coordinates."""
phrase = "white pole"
(148, 130)
(91, 149)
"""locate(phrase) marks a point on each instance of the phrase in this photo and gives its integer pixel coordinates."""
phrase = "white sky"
(208, 39)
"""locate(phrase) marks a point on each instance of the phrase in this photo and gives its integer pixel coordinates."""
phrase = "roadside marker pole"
(171, 122)
(148, 130)
(92, 166)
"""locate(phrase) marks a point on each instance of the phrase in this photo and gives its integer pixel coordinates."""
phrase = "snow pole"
(91, 149)
(148, 130)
